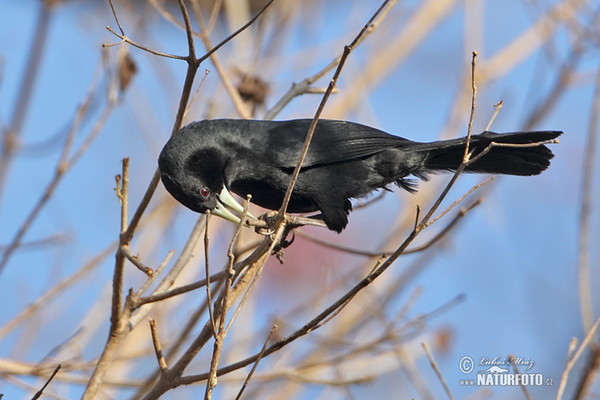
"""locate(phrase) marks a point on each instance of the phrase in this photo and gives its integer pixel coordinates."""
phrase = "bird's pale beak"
(226, 202)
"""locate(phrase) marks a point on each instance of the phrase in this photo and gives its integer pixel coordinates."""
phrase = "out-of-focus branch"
(305, 86)
(234, 94)
(10, 135)
(65, 163)
(53, 292)
(583, 262)
(589, 338)
(428, 16)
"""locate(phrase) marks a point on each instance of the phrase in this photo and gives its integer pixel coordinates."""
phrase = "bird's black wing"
(332, 142)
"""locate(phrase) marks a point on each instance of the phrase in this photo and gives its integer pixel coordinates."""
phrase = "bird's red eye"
(204, 192)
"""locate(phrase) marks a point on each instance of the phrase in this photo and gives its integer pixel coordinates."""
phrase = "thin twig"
(214, 14)
(41, 391)
(125, 39)
(249, 265)
(435, 239)
(136, 261)
(304, 86)
(462, 212)
(141, 308)
(206, 72)
(571, 363)
(436, 369)
(232, 258)
(473, 97)
(523, 387)
(234, 94)
(179, 290)
(207, 272)
(234, 34)
(260, 355)
(159, 269)
(162, 364)
(118, 324)
(347, 50)
(497, 108)
(226, 302)
(112, 7)
(461, 198)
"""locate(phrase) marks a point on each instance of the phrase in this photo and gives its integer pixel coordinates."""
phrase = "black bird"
(206, 160)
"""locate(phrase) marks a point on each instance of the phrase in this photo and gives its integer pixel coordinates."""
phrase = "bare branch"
(136, 261)
(157, 347)
(125, 39)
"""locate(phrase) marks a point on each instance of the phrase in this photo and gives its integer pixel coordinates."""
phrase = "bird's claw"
(269, 219)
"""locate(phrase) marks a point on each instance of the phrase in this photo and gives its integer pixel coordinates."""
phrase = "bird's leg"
(314, 220)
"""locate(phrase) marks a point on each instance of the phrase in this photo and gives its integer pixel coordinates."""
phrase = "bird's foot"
(284, 243)
(266, 225)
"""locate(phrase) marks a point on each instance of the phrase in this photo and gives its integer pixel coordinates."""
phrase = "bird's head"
(193, 175)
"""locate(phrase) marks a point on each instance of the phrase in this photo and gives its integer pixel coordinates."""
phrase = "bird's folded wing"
(332, 142)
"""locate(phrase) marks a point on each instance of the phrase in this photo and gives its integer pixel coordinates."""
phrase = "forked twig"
(461, 198)
(125, 39)
(347, 50)
(304, 86)
(136, 261)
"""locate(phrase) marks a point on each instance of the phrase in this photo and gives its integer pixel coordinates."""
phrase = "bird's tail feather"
(501, 159)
